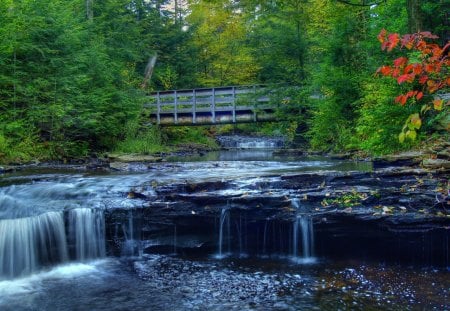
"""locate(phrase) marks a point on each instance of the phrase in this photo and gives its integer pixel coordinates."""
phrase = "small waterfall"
(87, 233)
(131, 246)
(224, 221)
(28, 243)
(249, 142)
(303, 225)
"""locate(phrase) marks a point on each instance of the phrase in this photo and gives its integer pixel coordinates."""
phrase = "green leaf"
(416, 121)
(412, 134)
(401, 137)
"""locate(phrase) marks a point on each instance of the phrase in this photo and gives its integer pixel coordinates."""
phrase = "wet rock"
(436, 164)
(134, 158)
(119, 166)
(412, 158)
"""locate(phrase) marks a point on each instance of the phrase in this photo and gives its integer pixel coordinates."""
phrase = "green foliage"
(70, 85)
(348, 199)
(182, 136)
(142, 141)
(380, 120)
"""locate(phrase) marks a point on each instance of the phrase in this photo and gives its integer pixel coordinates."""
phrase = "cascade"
(224, 218)
(87, 233)
(303, 225)
(131, 246)
(248, 142)
(30, 242)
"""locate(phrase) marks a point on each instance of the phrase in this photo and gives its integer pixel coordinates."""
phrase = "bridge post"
(158, 108)
(194, 107)
(234, 104)
(175, 112)
(213, 106)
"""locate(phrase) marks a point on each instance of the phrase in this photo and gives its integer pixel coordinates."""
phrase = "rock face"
(387, 214)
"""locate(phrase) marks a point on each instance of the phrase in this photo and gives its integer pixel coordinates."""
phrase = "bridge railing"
(207, 100)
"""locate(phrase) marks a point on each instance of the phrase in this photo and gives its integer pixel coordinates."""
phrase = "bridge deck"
(231, 104)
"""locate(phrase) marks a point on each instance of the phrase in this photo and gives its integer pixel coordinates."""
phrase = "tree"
(220, 37)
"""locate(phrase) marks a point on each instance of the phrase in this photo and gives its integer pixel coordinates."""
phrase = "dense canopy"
(71, 71)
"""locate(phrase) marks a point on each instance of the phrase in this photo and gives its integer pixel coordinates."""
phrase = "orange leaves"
(428, 69)
(406, 78)
(403, 98)
(390, 42)
(427, 72)
(400, 61)
(417, 69)
(382, 36)
(385, 70)
(438, 104)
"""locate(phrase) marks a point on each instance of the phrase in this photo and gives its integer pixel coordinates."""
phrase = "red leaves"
(401, 99)
(423, 79)
(400, 61)
(429, 69)
(382, 35)
(428, 72)
(417, 69)
(390, 42)
(385, 70)
(406, 78)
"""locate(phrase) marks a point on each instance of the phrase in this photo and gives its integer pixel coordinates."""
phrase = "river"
(83, 240)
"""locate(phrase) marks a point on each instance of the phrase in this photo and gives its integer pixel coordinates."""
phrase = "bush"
(381, 120)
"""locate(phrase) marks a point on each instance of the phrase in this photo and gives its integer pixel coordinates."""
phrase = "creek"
(230, 230)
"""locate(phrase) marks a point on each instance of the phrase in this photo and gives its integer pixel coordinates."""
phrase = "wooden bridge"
(220, 105)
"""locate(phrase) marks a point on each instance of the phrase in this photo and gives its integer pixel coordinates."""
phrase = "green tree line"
(71, 71)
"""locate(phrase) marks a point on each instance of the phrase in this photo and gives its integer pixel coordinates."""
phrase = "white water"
(302, 227)
(30, 243)
(27, 243)
(224, 220)
(87, 232)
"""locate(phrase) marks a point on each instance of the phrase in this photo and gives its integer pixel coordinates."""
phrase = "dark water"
(157, 282)
(81, 277)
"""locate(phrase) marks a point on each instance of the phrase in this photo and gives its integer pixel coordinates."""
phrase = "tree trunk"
(89, 10)
(415, 16)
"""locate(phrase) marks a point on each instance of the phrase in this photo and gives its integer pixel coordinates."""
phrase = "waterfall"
(303, 225)
(131, 246)
(30, 242)
(249, 142)
(224, 217)
(87, 233)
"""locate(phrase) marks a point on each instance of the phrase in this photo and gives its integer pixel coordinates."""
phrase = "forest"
(72, 72)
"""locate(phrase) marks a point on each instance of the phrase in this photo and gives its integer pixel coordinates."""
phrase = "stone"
(436, 164)
(133, 158)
